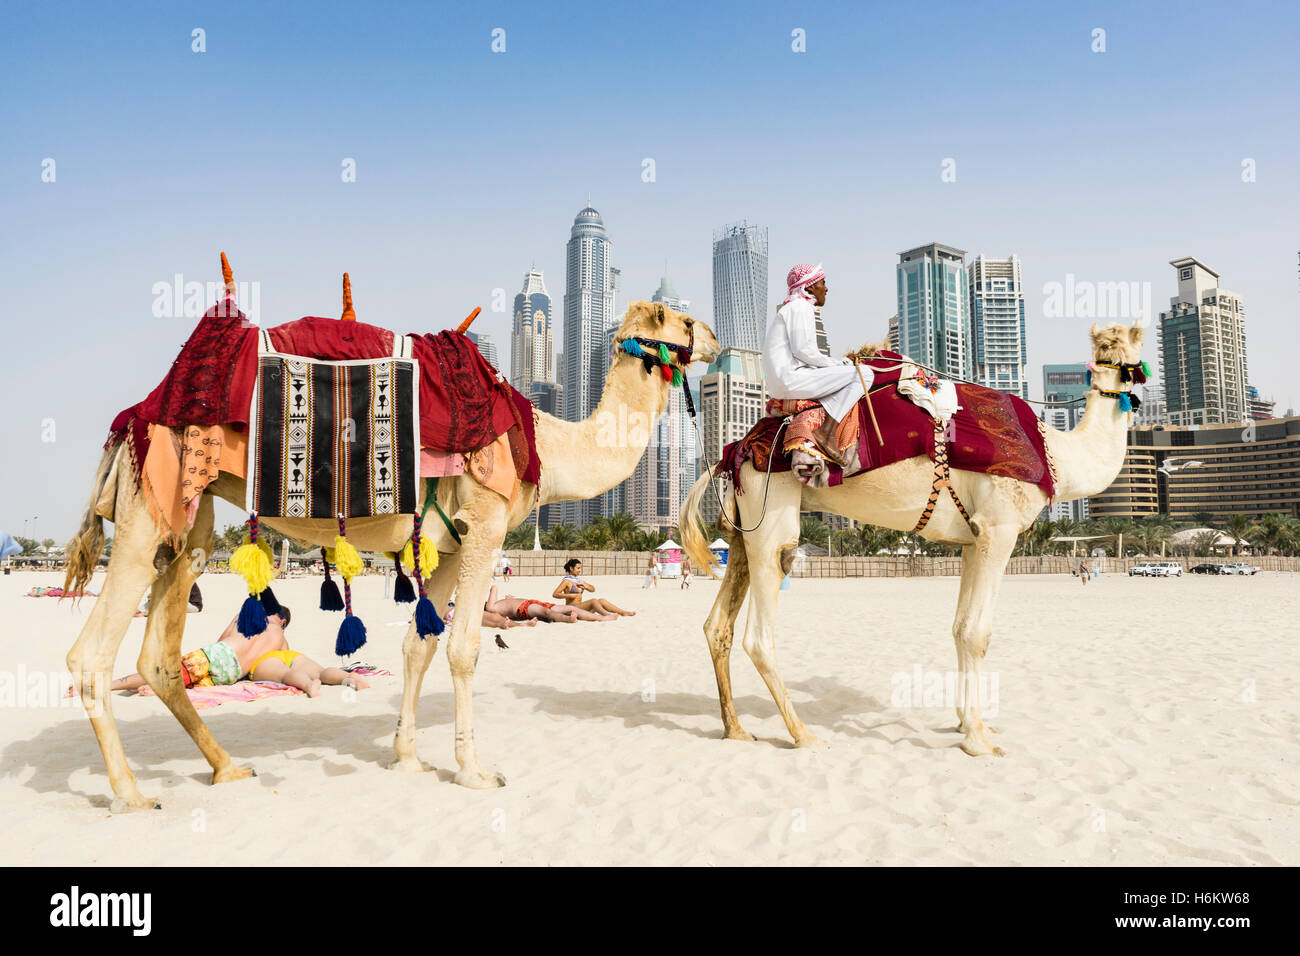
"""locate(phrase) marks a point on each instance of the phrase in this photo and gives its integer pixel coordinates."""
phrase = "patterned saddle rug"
(993, 433)
(330, 438)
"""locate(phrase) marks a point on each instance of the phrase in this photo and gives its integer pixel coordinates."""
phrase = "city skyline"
(1071, 162)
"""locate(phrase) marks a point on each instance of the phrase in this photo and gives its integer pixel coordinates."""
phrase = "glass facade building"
(740, 286)
(997, 330)
(933, 308)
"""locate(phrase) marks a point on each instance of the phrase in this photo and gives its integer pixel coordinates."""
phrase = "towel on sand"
(205, 698)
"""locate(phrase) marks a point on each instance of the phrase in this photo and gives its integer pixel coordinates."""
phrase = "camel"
(1087, 459)
(579, 460)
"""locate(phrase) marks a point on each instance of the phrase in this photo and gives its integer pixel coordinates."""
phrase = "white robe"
(795, 368)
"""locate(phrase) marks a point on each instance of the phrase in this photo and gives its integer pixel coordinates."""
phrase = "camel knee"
(761, 649)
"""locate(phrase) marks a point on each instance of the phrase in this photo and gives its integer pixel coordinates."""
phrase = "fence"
(551, 564)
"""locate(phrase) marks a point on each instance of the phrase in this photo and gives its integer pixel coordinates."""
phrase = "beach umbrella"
(8, 545)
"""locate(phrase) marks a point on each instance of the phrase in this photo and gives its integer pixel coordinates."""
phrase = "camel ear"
(1135, 335)
(1094, 331)
(660, 317)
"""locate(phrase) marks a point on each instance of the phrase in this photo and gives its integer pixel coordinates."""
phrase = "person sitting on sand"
(298, 670)
(522, 609)
(228, 659)
(571, 587)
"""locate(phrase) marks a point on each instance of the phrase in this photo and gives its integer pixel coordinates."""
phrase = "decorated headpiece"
(800, 278)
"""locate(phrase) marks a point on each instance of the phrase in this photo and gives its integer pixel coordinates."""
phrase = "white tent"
(719, 545)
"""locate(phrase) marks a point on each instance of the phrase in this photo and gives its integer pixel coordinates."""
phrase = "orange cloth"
(494, 467)
(234, 457)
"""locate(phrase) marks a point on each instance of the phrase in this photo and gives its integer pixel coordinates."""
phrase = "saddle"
(990, 432)
(467, 413)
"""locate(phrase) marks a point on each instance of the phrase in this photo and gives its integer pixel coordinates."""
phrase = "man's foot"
(809, 469)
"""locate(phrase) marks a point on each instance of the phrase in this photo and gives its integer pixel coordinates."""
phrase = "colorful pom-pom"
(352, 637)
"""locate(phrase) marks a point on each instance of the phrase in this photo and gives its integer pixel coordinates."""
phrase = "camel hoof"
(131, 804)
(811, 742)
(410, 765)
(737, 733)
(981, 748)
(478, 780)
(230, 773)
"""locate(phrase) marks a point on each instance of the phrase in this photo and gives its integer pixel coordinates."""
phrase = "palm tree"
(1202, 542)
(1203, 519)
(595, 536)
(560, 538)
(1273, 531)
(1118, 527)
(621, 527)
(1238, 526)
(813, 531)
(519, 539)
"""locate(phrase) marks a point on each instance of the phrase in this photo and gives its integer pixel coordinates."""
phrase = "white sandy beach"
(1147, 721)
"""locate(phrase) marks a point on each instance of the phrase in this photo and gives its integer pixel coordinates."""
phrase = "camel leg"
(719, 629)
(130, 569)
(770, 554)
(982, 567)
(417, 654)
(487, 527)
(160, 656)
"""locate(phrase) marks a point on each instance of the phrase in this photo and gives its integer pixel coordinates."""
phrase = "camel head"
(1117, 356)
(656, 322)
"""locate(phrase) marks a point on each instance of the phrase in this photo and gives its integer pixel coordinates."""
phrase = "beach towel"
(331, 438)
(993, 433)
(205, 698)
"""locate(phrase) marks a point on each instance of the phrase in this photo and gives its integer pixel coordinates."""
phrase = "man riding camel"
(820, 392)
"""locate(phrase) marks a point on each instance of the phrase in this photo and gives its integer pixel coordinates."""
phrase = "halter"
(1135, 372)
(655, 352)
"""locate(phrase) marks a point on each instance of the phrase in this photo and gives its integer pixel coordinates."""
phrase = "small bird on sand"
(502, 644)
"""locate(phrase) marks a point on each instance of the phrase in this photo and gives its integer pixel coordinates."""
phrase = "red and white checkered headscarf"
(800, 278)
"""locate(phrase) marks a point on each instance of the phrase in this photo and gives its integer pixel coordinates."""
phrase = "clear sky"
(470, 166)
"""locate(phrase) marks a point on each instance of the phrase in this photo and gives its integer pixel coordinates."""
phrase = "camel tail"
(693, 540)
(88, 543)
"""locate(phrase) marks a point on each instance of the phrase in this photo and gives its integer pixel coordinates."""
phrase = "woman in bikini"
(522, 609)
(570, 591)
(298, 670)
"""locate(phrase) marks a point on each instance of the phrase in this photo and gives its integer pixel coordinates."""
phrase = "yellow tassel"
(329, 556)
(254, 565)
(428, 557)
(347, 559)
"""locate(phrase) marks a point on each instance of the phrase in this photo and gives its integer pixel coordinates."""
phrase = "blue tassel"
(269, 601)
(330, 598)
(1124, 404)
(252, 617)
(352, 636)
(631, 347)
(403, 589)
(1087, 378)
(426, 619)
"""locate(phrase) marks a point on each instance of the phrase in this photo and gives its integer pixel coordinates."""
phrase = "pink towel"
(205, 698)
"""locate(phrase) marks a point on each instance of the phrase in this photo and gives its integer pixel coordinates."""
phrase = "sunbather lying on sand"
(523, 609)
(226, 660)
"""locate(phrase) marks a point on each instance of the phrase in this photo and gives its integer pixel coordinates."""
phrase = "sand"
(1147, 721)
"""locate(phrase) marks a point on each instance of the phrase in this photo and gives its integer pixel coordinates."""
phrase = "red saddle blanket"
(993, 432)
(464, 402)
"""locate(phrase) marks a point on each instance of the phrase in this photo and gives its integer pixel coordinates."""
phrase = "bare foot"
(356, 682)
(609, 617)
(313, 689)
(532, 622)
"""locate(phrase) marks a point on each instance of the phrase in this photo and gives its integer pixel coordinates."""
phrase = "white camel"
(579, 460)
(1087, 459)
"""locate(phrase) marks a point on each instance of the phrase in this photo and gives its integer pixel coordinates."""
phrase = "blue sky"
(471, 165)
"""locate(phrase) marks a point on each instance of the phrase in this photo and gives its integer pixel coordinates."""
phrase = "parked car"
(1209, 569)
(1240, 567)
(1156, 569)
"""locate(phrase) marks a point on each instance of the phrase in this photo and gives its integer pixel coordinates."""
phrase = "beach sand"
(1146, 721)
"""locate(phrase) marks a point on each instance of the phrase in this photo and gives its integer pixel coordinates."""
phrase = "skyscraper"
(1062, 383)
(740, 286)
(590, 284)
(688, 455)
(933, 308)
(997, 316)
(732, 398)
(1203, 350)
(486, 347)
(532, 349)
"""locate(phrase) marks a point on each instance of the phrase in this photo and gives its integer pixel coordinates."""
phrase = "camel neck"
(586, 458)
